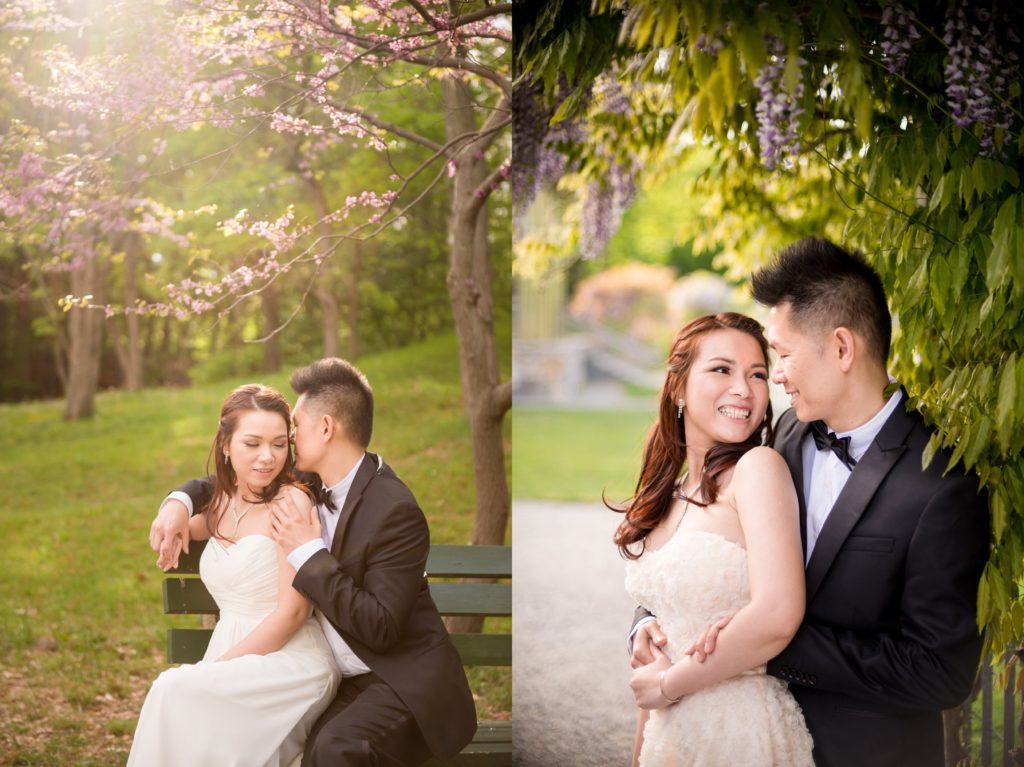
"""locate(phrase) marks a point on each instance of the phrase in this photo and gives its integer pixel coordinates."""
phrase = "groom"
(404, 694)
(893, 552)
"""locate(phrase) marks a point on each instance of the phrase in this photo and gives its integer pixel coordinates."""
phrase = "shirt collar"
(862, 437)
(339, 490)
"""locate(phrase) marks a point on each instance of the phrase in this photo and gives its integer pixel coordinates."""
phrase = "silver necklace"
(686, 502)
(236, 516)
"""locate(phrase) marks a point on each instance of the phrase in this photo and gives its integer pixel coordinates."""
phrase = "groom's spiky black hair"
(827, 287)
(338, 388)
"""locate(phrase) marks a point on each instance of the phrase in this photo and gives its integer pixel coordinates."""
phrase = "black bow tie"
(827, 440)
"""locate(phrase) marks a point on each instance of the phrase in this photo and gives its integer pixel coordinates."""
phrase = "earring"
(680, 414)
(225, 459)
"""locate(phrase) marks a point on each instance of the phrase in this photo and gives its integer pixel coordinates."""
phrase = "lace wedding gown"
(248, 711)
(695, 578)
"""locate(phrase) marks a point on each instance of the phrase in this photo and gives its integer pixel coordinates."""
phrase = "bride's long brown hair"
(665, 451)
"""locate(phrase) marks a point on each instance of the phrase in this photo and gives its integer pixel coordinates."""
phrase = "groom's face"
(307, 435)
(801, 367)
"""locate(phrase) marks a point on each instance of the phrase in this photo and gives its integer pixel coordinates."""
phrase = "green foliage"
(881, 167)
(82, 634)
(595, 451)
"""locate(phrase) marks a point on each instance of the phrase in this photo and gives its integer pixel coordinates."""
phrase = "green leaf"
(1009, 386)
(919, 280)
(939, 198)
(978, 441)
(997, 507)
(1006, 241)
(715, 92)
(939, 280)
(930, 450)
(750, 44)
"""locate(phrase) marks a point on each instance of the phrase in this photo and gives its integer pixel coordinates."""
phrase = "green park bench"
(185, 594)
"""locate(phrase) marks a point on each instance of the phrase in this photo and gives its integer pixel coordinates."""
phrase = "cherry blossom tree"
(312, 70)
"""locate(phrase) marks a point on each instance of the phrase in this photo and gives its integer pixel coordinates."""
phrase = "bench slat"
(189, 645)
(450, 561)
(188, 596)
(444, 561)
(472, 598)
(188, 564)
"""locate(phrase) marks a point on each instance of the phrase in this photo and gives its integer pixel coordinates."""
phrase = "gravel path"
(570, 686)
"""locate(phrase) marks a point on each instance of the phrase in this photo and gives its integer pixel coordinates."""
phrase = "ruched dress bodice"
(692, 580)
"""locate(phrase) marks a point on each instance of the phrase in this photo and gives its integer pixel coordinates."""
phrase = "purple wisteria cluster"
(898, 35)
(778, 111)
(537, 156)
(982, 49)
(709, 44)
(605, 203)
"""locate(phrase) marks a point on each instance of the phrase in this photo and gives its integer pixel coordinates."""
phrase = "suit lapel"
(860, 488)
(367, 471)
(792, 451)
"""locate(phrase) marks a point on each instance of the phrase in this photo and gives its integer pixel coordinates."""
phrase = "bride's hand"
(705, 643)
(646, 682)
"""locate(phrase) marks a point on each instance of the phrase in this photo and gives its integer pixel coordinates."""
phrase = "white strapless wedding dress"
(695, 578)
(251, 711)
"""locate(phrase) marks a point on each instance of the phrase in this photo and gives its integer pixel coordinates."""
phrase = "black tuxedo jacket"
(372, 588)
(889, 638)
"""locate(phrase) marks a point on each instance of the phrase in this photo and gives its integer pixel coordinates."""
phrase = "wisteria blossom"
(982, 48)
(778, 111)
(899, 35)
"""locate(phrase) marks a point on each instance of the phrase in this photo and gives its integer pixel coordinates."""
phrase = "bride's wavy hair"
(665, 451)
(242, 400)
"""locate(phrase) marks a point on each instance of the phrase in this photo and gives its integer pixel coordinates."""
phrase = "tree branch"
(501, 398)
(483, 191)
(478, 15)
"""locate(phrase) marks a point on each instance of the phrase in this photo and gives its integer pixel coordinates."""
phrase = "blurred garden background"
(194, 195)
(661, 152)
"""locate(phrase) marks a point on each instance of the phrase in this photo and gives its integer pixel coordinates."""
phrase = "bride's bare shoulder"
(295, 493)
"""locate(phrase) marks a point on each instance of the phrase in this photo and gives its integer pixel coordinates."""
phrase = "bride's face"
(258, 448)
(726, 391)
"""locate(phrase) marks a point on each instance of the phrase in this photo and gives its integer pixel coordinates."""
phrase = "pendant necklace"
(238, 517)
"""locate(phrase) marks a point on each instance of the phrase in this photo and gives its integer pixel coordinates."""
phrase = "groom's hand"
(293, 525)
(706, 642)
(168, 535)
(647, 639)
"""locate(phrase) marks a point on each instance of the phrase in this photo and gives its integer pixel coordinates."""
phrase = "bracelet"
(661, 688)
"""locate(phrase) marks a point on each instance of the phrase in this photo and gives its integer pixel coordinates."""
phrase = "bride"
(268, 671)
(723, 539)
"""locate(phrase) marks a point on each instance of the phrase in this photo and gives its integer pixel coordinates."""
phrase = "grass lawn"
(574, 455)
(82, 631)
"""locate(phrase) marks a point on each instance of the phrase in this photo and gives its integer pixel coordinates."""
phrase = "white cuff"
(639, 623)
(177, 495)
(301, 554)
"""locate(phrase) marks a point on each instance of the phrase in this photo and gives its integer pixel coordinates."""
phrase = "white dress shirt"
(825, 475)
(348, 662)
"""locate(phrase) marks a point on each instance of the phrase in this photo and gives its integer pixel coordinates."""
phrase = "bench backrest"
(185, 594)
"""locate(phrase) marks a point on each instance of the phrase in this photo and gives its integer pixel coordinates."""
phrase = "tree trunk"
(129, 347)
(485, 398)
(85, 340)
(328, 304)
(133, 372)
(352, 282)
(271, 321)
